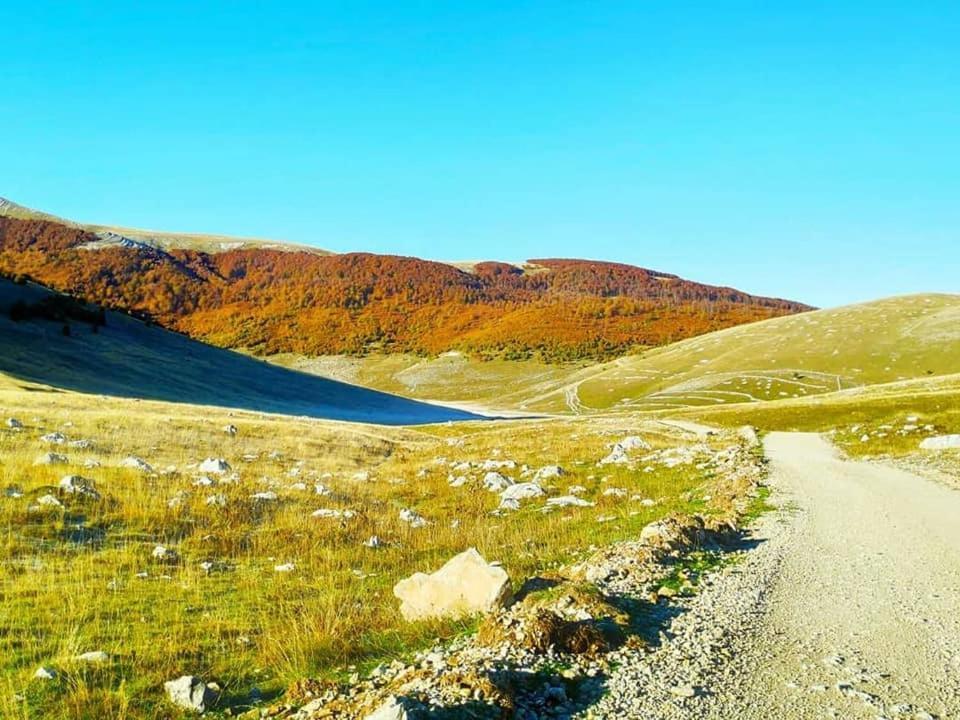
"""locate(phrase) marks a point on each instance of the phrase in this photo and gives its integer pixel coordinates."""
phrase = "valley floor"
(845, 609)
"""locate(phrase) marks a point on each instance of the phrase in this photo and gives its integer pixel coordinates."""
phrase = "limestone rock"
(190, 693)
(941, 442)
(215, 466)
(465, 585)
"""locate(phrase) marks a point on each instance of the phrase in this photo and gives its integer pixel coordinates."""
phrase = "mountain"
(52, 339)
(272, 298)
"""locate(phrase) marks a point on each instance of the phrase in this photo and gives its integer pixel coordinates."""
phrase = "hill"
(869, 344)
(884, 341)
(271, 300)
(113, 354)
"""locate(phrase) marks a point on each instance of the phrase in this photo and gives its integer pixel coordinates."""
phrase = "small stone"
(45, 673)
(191, 693)
(94, 656)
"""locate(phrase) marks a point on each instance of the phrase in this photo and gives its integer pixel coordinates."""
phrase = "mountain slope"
(270, 300)
(872, 343)
(124, 357)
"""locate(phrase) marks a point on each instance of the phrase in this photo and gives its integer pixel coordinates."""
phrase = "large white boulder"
(941, 442)
(465, 585)
(190, 693)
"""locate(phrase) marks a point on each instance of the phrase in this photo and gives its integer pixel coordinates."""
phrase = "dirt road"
(861, 618)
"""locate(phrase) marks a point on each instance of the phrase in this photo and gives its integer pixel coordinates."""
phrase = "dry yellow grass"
(81, 577)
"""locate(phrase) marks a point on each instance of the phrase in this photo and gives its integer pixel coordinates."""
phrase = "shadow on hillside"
(127, 358)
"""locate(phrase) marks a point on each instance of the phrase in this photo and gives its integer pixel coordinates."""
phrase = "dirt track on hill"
(862, 617)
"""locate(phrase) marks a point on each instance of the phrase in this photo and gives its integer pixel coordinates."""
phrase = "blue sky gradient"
(805, 150)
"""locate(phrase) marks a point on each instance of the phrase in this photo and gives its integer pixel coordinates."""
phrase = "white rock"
(390, 710)
(465, 585)
(549, 472)
(457, 481)
(412, 518)
(284, 568)
(941, 442)
(522, 491)
(76, 485)
(321, 489)
(204, 481)
(230, 430)
(164, 554)
(15, 424)
(49, 501)
(54, 438)
(634, 442)
(215, 466)
(51, 459)
(576, 490)
(94, 656)
(374, 542)
(618, 456)
(45, 673)
(568, 501)
(615, 492)
(217, 500)
(190, 693)
(495, 482)
(136, 463)
(331, 513)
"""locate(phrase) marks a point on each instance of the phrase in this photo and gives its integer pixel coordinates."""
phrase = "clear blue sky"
(807, 149)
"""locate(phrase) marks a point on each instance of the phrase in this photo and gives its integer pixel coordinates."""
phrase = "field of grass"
(791, 357)
(81, 577)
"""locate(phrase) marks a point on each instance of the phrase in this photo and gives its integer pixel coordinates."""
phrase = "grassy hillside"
(127, 358)
(784, 358)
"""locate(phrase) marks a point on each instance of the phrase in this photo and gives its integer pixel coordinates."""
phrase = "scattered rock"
(94, 656)
(76, 485)
(522, 491)
(465, 585)
(392, 709)
(412, 518)
(568, 501)
(549, 472)
(374, 542)
(49, 501)
(231, 430)
(284, 568)
(54, 438)
(14, 424)
(495, 482)
(165, 555)
(51, 458)
(215, 466)
(135, 463)
(45, 673)
(941, 442)
(190, 693)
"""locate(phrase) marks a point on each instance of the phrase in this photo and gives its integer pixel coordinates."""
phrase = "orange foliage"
(277, 301)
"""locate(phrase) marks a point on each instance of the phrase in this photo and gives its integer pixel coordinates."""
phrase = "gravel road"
(848, 607)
